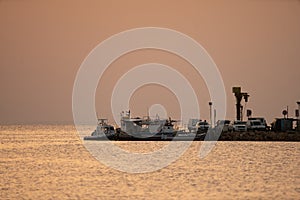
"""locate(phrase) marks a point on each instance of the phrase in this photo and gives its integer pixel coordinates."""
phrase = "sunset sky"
(254, 43)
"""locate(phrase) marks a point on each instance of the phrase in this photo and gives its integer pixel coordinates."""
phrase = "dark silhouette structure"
(297, 115)
(239, 97)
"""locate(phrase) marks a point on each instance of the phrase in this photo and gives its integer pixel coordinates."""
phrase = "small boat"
(102, 132)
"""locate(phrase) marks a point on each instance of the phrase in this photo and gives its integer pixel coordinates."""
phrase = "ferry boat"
(142, 129)
(146, 128)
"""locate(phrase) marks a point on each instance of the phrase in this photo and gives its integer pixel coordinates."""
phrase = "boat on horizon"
(103, 131)
(143, 129)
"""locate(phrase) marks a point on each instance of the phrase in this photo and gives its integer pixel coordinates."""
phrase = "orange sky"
(255, 44)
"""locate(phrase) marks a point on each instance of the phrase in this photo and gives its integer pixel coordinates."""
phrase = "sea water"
(51, 162)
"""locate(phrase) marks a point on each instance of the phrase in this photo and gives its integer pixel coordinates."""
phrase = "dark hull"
(181, 138)
(99, 138)
(158, 137)
(225, 136)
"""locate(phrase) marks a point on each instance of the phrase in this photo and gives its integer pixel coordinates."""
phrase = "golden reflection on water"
(50, 162)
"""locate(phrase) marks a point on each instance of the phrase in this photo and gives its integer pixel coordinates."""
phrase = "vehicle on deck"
(263, 121)
(202, 126)
(239, 126)
(256, 125)
(192, 125)
(226, 125)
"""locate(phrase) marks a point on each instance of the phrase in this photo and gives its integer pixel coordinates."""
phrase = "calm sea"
(50, 162)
